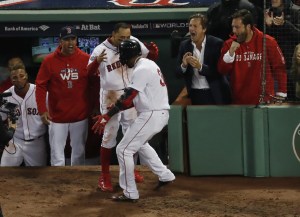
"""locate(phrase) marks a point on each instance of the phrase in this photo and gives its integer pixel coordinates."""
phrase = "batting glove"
(99, 126)
(153, 51)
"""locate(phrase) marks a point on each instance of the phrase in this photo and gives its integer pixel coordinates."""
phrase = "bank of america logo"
(44, 27)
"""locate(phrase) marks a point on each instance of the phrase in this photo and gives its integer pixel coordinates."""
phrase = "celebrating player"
(147, 92)
(113, 79)
(28, 143)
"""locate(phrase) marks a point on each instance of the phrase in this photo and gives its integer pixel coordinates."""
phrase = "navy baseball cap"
(67, 32)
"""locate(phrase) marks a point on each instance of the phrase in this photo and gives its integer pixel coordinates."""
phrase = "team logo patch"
(296, 142)
(69, 31)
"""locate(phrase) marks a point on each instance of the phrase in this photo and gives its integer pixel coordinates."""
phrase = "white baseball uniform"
(28, 142)
(113, 79)
(152, 105)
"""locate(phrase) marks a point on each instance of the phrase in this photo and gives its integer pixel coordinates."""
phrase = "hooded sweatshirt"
(246, 71)
(66, 80)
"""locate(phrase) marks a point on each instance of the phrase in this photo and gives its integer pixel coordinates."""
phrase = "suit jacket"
(218, 83)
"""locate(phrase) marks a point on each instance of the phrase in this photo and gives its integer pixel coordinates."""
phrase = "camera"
(10, 109)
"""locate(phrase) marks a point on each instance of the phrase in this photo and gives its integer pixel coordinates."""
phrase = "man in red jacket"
(64, 76)
(242, 57)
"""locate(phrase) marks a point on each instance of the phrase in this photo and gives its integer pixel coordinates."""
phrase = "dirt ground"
(72, 192)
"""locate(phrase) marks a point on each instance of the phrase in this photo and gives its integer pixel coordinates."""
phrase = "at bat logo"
(136, 3)
(296, 142)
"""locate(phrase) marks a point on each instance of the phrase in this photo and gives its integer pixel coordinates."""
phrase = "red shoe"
(104, 183)
(138, 177)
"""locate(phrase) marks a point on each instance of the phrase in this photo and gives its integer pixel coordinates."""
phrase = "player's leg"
(58, 133)
(127, 118)
(109, 138)
(35, 152)
(13, 154)
(144, 127)
(148, 154)
(78, 136)
(127, 147)
(109, 141)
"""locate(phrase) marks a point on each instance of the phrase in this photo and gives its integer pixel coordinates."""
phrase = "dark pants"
(202, 97)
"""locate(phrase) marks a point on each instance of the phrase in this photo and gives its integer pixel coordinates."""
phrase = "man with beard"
(28, 143)
(197, 63)
(242, 57)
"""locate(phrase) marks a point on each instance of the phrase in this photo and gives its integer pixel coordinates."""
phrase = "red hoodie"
(66, 80)
(245, 72)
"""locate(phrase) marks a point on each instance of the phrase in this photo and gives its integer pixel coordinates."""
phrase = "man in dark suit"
(197, 63)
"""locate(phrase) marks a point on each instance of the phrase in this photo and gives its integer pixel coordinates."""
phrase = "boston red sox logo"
(296, 142)
(69, 30)
(135, 3)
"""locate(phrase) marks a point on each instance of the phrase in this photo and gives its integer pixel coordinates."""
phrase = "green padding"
(215, 140)
(175, 139)
(255, 140)
(283, 133)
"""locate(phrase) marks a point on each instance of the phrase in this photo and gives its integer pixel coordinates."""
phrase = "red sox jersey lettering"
(113, 66)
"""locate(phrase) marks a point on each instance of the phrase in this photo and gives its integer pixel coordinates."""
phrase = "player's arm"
(124, 102)
(153, 50)
(41, 82)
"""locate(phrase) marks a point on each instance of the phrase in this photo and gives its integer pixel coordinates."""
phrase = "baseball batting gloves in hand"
(153, 51)
(99, 126)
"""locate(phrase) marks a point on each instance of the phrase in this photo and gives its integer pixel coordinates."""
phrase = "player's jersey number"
(162, 80)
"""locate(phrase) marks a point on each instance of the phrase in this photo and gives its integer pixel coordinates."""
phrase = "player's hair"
(18, 66)
(14, 61)
(121, 25)
(202, 17)
(245, 16)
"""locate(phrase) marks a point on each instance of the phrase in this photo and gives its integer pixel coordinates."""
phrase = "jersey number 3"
(162, 81)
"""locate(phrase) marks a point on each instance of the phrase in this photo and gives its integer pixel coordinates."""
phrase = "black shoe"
(161, 184)
(123, 198)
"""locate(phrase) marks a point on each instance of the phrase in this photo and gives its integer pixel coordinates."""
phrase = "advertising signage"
(91, 29)
(99, 4)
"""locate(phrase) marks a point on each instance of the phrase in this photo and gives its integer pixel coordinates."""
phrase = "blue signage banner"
(100, 4)
(163, 27)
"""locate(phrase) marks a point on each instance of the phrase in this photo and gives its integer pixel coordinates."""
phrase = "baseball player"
(64, 76)
(147, 92)
(28, 143)
(114, 78)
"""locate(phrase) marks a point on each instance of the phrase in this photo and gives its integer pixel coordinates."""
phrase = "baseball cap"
(67, 32)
